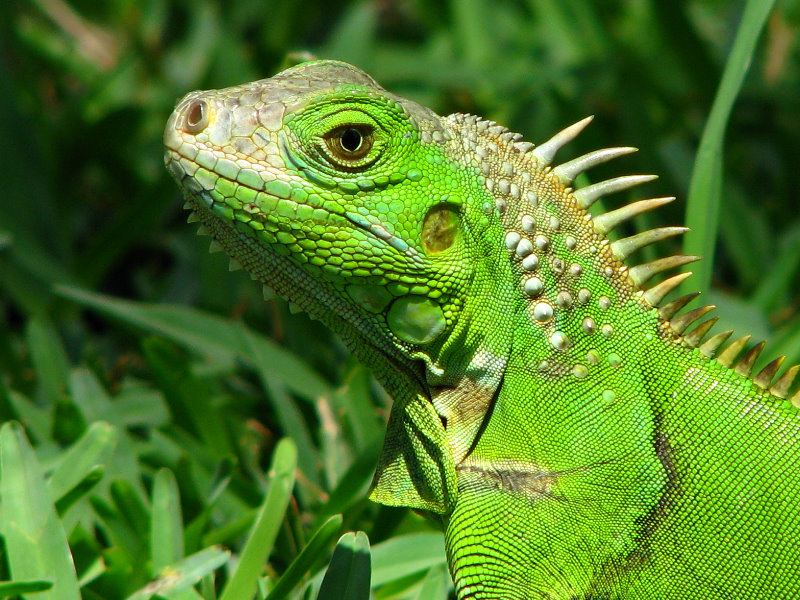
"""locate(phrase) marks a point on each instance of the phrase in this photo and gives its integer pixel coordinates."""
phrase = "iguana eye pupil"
(351, 139)
(350, 146)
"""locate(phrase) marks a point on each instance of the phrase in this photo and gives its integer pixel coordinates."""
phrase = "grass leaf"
(184, 573)
(705, 189)
(348, 575)
(36, 544)
(244, 581)
(316, 546)
(166, 521)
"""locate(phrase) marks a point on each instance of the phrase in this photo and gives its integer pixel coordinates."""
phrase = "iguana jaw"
(281, 276)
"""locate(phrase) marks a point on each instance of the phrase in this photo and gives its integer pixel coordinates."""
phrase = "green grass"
(186, 440)
(705, 189)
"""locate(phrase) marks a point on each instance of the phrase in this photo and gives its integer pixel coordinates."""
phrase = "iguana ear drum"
(440, 228)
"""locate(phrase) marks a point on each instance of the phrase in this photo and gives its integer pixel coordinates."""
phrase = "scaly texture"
(570, 431)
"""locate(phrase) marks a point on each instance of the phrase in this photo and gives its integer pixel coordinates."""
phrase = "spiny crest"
(674, 322)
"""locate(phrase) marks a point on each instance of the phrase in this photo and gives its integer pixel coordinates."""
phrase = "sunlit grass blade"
(16, 588)
(316, 546)
(405, 555)
(348, 575)
(92, 477)
(243, 583)
(436, 585)
(35, 542)
(37, 420)
(184, 573)
(705, 189)
(77, 467)
(166, 522)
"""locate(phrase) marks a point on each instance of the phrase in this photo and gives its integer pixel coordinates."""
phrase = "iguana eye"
(351, 139)
(349, 146)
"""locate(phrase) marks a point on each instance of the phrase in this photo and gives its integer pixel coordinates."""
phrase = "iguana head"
(340, 197)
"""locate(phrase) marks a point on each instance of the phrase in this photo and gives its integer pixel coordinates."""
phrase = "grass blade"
(436, 585)
(243, 584)
(705, 189)
(49, 357)
(220, 340)
(402, 556)
(80, 461)
(185, 573)
(166, 522)
(308, 556)
(36, 544)
(348, 575)
(16, 588)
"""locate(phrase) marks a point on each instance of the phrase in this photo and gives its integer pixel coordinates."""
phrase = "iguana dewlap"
(571, 431)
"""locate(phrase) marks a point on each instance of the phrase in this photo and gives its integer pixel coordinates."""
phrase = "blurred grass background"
(98, 268)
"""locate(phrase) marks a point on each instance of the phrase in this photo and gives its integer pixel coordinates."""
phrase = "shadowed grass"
(705, 190)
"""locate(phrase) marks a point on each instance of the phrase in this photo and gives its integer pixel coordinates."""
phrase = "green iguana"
(570, 433)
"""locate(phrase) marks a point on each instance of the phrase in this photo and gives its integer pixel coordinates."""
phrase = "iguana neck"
(568, 295)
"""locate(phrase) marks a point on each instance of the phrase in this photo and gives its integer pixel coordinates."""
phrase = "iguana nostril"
(196, 116)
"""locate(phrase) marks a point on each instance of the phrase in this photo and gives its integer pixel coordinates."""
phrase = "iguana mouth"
(289, 280)
(210, 180)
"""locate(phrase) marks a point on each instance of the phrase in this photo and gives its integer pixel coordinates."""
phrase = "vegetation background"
(144, 389)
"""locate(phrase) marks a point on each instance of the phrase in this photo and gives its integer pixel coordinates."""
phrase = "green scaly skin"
(553, 415)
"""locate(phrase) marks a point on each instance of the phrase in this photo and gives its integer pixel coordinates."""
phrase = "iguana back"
(571, 434)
